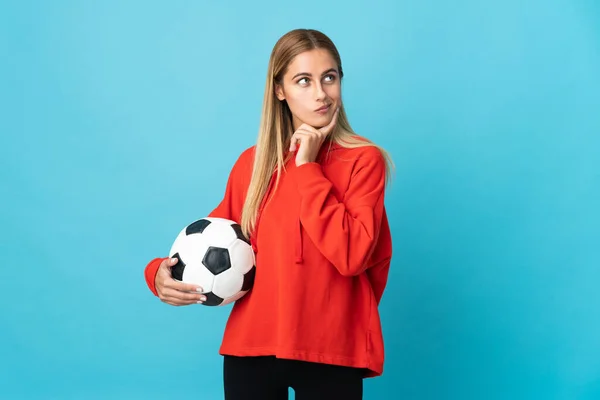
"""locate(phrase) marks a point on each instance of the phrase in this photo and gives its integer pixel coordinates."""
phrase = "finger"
(302, 134)
(176, 302)
(168, 263)
(182, 296)
(171, 301)
(181, 286)
(168, 281)
(329, 127)
(297, 138)
(294, 143)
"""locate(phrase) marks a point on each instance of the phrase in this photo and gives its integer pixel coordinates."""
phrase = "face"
(311, 87)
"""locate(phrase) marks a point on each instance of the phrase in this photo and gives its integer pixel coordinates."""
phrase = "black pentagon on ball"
(249, 279)
(216, 259)
(177, 269)
(238, 232)
(212, 299)
(197, 226)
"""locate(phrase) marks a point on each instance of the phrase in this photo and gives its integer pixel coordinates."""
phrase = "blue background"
(120, 122)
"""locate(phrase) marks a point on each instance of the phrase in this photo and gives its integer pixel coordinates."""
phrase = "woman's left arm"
(345, 231)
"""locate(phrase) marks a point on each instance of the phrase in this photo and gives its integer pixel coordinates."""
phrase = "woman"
(310, 196)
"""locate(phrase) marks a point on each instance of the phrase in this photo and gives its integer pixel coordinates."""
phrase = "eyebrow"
(308, 74)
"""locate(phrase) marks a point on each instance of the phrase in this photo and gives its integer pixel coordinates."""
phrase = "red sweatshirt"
(323, 250)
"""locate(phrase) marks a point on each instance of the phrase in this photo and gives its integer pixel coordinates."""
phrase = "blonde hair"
(276, 128)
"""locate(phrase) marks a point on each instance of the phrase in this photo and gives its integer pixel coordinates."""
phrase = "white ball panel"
(228, 283)
(221, 234)
(177, 243)
(192, 248)
(241, 256)
(198, 275)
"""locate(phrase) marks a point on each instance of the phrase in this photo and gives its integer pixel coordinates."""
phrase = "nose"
(319, 92)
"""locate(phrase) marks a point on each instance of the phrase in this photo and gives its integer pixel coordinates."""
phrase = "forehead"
(313, 61)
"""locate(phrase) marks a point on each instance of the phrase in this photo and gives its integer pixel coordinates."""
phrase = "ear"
(279, 92)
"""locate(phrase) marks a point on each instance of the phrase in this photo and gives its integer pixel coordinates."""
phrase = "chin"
(319, 121)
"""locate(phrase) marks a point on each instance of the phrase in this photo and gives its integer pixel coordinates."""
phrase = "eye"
(303, 81)
(330, 77)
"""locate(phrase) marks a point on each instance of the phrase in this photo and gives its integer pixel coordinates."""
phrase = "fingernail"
(199, 290)
(174, 259)
(199, 302)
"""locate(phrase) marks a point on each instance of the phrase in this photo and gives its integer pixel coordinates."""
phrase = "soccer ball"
(214, 254)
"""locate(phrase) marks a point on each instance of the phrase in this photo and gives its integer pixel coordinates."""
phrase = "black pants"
(268, 378)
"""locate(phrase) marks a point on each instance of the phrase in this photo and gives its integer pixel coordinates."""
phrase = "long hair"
(276, 128)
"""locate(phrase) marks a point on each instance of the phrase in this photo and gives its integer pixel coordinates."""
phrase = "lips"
(324, 108)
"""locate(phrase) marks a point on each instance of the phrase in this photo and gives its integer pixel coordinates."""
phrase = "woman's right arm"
(158, 271)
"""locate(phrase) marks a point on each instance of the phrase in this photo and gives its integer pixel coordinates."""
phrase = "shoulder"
(245, 159)
(241, 171)
(248, 154)
(361, 151)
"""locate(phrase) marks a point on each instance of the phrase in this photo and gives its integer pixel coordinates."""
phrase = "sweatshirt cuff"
(150, 273)
(308, 175)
